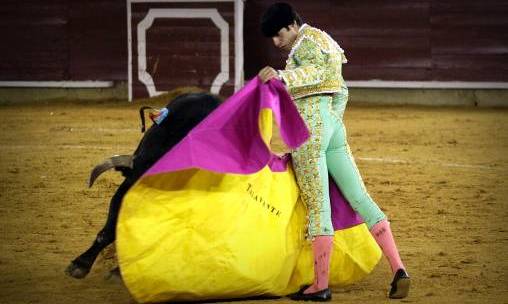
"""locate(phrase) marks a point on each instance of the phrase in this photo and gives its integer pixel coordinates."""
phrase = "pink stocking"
(322, 248)
(384, 238)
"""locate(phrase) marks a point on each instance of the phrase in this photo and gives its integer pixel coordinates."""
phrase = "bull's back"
(185, 112)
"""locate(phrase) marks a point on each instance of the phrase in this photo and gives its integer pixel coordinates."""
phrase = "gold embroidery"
(306, 163)
(314, 65)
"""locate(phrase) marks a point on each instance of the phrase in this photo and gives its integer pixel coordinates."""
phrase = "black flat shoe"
(302, 289)
(400, 285)
(324, 295)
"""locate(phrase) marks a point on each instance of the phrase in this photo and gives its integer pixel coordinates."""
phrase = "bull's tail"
(121, 163)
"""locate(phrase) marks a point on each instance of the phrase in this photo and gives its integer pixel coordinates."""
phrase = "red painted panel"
(63, 40)
(391, 40)
(394, 35)
(471, 74)
(470, 40)
(400, 40)
(34, 44)
(352, 72)
(97, 40)
(182, 52)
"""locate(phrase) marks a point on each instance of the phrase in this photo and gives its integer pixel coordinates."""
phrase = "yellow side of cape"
(196, 234)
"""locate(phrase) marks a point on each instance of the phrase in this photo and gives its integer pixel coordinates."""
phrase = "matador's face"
(286, 37)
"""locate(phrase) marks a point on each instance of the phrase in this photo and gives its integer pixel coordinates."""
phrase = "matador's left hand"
(268, 73)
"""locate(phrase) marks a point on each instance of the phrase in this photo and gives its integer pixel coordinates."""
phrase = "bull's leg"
(81, 265)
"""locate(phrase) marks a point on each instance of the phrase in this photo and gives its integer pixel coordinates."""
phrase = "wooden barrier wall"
(417, 40)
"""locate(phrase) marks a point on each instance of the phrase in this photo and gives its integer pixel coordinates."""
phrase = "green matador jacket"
(314, 65)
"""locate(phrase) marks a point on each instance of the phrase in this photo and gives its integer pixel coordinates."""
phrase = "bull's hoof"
(76, 271)
(114, 276)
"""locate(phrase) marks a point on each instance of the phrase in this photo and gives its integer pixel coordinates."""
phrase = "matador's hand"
(268, 73)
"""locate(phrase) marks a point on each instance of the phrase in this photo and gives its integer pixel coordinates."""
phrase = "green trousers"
(327, 151)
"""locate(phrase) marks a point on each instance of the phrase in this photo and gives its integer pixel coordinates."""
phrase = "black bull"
(185, 112)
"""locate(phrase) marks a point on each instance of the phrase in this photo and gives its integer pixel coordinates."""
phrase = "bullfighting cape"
(219, 215)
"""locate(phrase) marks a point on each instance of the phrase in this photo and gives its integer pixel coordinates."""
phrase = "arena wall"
(398, 51)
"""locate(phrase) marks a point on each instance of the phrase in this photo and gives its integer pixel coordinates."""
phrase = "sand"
(440, 174)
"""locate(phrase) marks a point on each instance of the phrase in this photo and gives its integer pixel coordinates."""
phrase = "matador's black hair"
(276, 17)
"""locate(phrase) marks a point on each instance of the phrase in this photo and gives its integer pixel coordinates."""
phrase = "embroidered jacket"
(314, 65)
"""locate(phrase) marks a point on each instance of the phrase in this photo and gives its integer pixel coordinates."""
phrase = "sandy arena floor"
(441, 175)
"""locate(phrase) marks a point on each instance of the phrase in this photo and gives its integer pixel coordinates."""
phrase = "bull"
(183, 114)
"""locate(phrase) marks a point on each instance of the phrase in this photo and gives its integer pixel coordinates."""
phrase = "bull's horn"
(142, 116)
(110, 163)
